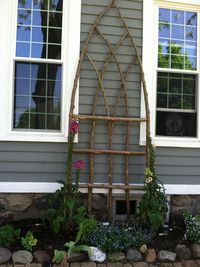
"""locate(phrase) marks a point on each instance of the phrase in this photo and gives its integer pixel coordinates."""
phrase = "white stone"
(96, 255)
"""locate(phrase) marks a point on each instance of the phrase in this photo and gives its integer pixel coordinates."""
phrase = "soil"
(48, 240)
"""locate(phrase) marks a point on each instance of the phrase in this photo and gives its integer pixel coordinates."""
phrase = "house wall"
(45, 162)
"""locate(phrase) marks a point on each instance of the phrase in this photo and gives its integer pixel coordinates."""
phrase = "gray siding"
(45, 162)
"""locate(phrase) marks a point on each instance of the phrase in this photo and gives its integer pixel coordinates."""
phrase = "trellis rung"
(113, 186)
(115, 152)
(108, 118)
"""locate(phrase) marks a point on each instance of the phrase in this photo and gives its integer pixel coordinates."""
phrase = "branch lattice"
(110, 117)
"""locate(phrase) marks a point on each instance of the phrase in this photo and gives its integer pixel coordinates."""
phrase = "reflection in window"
(176, 106)
(37, 90)
(176, 124)
(176, 91)
(177, 41)
(37, 99)
(39, 29)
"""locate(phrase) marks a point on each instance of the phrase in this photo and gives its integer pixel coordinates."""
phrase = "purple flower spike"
(79, 164)
(74, 127)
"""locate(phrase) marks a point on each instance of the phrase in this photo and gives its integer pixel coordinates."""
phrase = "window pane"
(162, 84)
(175, 84)
(164, 15)
(37, 99)
(189, 84)
(24, 17)
(177, 40)
(177, 16)
(176, 124)
(177, 32)
(23, 33)
(191, 33)
(175, 101)
(23, 49)
(24, 3)
(188, 102)
(191, 18)
(161, 100)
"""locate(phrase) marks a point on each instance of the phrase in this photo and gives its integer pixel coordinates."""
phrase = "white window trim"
(149, 65)
(70, 48)
(42, 187)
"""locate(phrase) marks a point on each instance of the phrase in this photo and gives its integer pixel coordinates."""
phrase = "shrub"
(192, 227)
(117, 238)
(8, 235)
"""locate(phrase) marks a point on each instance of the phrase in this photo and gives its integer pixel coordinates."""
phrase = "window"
(176, 91)
(171, 32)
(40, 57)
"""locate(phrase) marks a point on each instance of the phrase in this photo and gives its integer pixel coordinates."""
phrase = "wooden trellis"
(110, 118)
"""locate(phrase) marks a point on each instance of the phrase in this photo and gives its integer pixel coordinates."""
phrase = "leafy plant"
(73, 245)
(88, 226)
(8, 235)
(66, 210)
(29, 241)
(153, 205)
(192, 227)
(111, 238)
(58, 256)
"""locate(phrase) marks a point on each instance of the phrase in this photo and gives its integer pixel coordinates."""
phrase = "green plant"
(153, 205)
(8, 235)
(111, 238)
(88, 226)
(29, 241)
(66, 211)
(192, 227)
(58, 256)
(73, 245)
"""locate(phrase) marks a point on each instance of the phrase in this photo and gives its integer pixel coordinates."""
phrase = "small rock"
(143, 249)
(22, 256)
(133, 255)
(96, 255)
(78, 257)
(140, 264)
(183, 252)
(165, 255)
(195, 248)
(150, 255)
(41, 256)
(116, 256)
(5, 255)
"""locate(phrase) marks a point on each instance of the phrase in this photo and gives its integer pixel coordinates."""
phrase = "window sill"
(184, 142)
(34, 137)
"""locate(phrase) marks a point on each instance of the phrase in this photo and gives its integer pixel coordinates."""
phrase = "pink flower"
(74, 127)
(79, 164)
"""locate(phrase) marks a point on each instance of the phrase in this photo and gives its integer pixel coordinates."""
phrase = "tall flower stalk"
(68, 212)
(153, 205)
(73, 130)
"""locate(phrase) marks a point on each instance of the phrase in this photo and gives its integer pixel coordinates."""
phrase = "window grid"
(186, 42)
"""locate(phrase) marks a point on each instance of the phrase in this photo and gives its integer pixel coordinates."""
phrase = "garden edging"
(189, 263)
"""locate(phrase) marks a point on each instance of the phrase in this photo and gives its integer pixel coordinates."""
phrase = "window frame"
(69, 60)
(150, 40)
